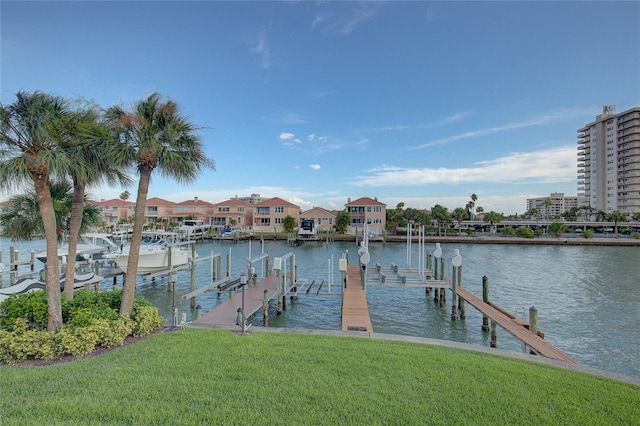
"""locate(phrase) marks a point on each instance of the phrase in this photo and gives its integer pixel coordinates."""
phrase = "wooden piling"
(193, 273)
(533, 320)
(265, 308)
(485, 299)
(454, 307)
(494, 334)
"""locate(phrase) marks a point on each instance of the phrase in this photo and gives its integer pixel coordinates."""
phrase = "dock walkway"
(226, 313)
(355, 312)
(542, 347)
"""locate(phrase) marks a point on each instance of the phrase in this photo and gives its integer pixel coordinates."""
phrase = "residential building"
(553, 206)
(114, 211)
(269, 215)
(323, 219)
(609, 161)
(234, 208)
(196, 209)
(253, 199)
(366, 211)
(159, 209)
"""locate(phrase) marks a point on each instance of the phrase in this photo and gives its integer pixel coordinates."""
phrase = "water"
(588, 297)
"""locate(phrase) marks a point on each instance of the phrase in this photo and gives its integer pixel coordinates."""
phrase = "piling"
(533, 320)
(454, 294)
(485, 299)
(198, 312)
(494, 335)
(265, 308)
(193, 273)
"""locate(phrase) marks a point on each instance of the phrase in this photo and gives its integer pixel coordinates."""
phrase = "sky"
(417, 102)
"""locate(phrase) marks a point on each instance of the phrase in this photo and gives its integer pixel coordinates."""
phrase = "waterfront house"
(195, 209)
(159, 209)
(323, 219)
(234, 208)
(269, 214)
(366, 211)
(114, 211)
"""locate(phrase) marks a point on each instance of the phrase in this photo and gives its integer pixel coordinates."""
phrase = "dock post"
(485, 299)
(494, 335)
(192, 267)
(13, 257)
(280, 296)
(533, 320)
(443, 292)
(265, 308)
(461, 307)
(198, 312)
(33, 260)
(454, 293)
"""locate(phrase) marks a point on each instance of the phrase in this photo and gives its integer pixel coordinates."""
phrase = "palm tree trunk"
(77, 208)
(129, 286)
(54, 304)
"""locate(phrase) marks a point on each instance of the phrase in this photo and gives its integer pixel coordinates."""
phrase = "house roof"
(195, 203)
(233, 202)
(275, 201)
(114, 202)
(365, 201)
(155, 201)
(316, 211)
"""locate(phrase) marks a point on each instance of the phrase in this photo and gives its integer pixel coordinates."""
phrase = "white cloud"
(285, 136)
(314, 166)
(351, 17)
(258, 45)
(554, 165)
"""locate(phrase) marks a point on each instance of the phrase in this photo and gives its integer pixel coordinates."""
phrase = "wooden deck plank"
(226, 313)
(539, 345)
(355, 311)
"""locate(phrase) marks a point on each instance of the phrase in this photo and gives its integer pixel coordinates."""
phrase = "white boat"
(153, 257)
(192, 229)
(308, 230)
(26, 285)
(91, 246)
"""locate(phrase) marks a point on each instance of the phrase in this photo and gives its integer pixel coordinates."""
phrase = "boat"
(192, 229)
(28, 284)
(153, 257)
(308, 230)
(92, 246)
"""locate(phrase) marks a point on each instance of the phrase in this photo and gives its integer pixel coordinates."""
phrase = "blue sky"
(316, 102)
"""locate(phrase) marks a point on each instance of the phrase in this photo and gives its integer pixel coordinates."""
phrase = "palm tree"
(460, 214)
(441, 215)
(21, 219)
(124, 195)
(29, 153)
(601, 216)
(154, 135)
(615, 217)
(493, 218)
(93, 165)
(588, 210)
(547, 203)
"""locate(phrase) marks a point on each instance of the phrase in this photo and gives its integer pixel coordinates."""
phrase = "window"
(223, 209)
(279, 209)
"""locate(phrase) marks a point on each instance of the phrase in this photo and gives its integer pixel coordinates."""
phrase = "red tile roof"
(365, 201)
(275, 201)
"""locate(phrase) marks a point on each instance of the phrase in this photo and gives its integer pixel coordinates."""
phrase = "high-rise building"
(553, 206)
(609, 161)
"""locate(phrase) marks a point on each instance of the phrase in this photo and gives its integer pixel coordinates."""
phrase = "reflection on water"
(588, 298)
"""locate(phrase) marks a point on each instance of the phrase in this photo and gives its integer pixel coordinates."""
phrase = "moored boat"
(153, 257)
(27, 284)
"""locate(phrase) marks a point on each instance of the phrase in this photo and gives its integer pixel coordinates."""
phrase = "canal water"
(587, 297)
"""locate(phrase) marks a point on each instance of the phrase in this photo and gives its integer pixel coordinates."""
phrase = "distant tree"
(615, 217)
(289, 223)
(601, 216)
(233, 221)
(557, 229)
(547, 203)
(587, 211)
(342, 221)
(479, 209)
(394, 217)
(125, 195)
(494, 218)
(441, 215)
(571, 214)
(460, 214)
(636, 216)
(531, 213)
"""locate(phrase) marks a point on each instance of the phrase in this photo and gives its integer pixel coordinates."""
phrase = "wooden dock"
(533, 341)
(355, 312)
(226, 314)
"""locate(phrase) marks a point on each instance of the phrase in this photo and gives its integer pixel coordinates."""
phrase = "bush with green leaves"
(525, 233)
(507, 231)
(587, 234)
(91, 320)
(557, 228)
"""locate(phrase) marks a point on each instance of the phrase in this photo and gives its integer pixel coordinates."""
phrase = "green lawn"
(198, 376)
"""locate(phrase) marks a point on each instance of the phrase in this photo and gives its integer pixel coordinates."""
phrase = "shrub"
(31, 306)
(507, 231)
(146, 319)
(525, 233)
(24, 343)
(111, 333)
(557, 229)
(77, 342)
(587, 234)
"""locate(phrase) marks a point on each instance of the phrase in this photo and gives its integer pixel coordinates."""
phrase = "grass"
(197, 376)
